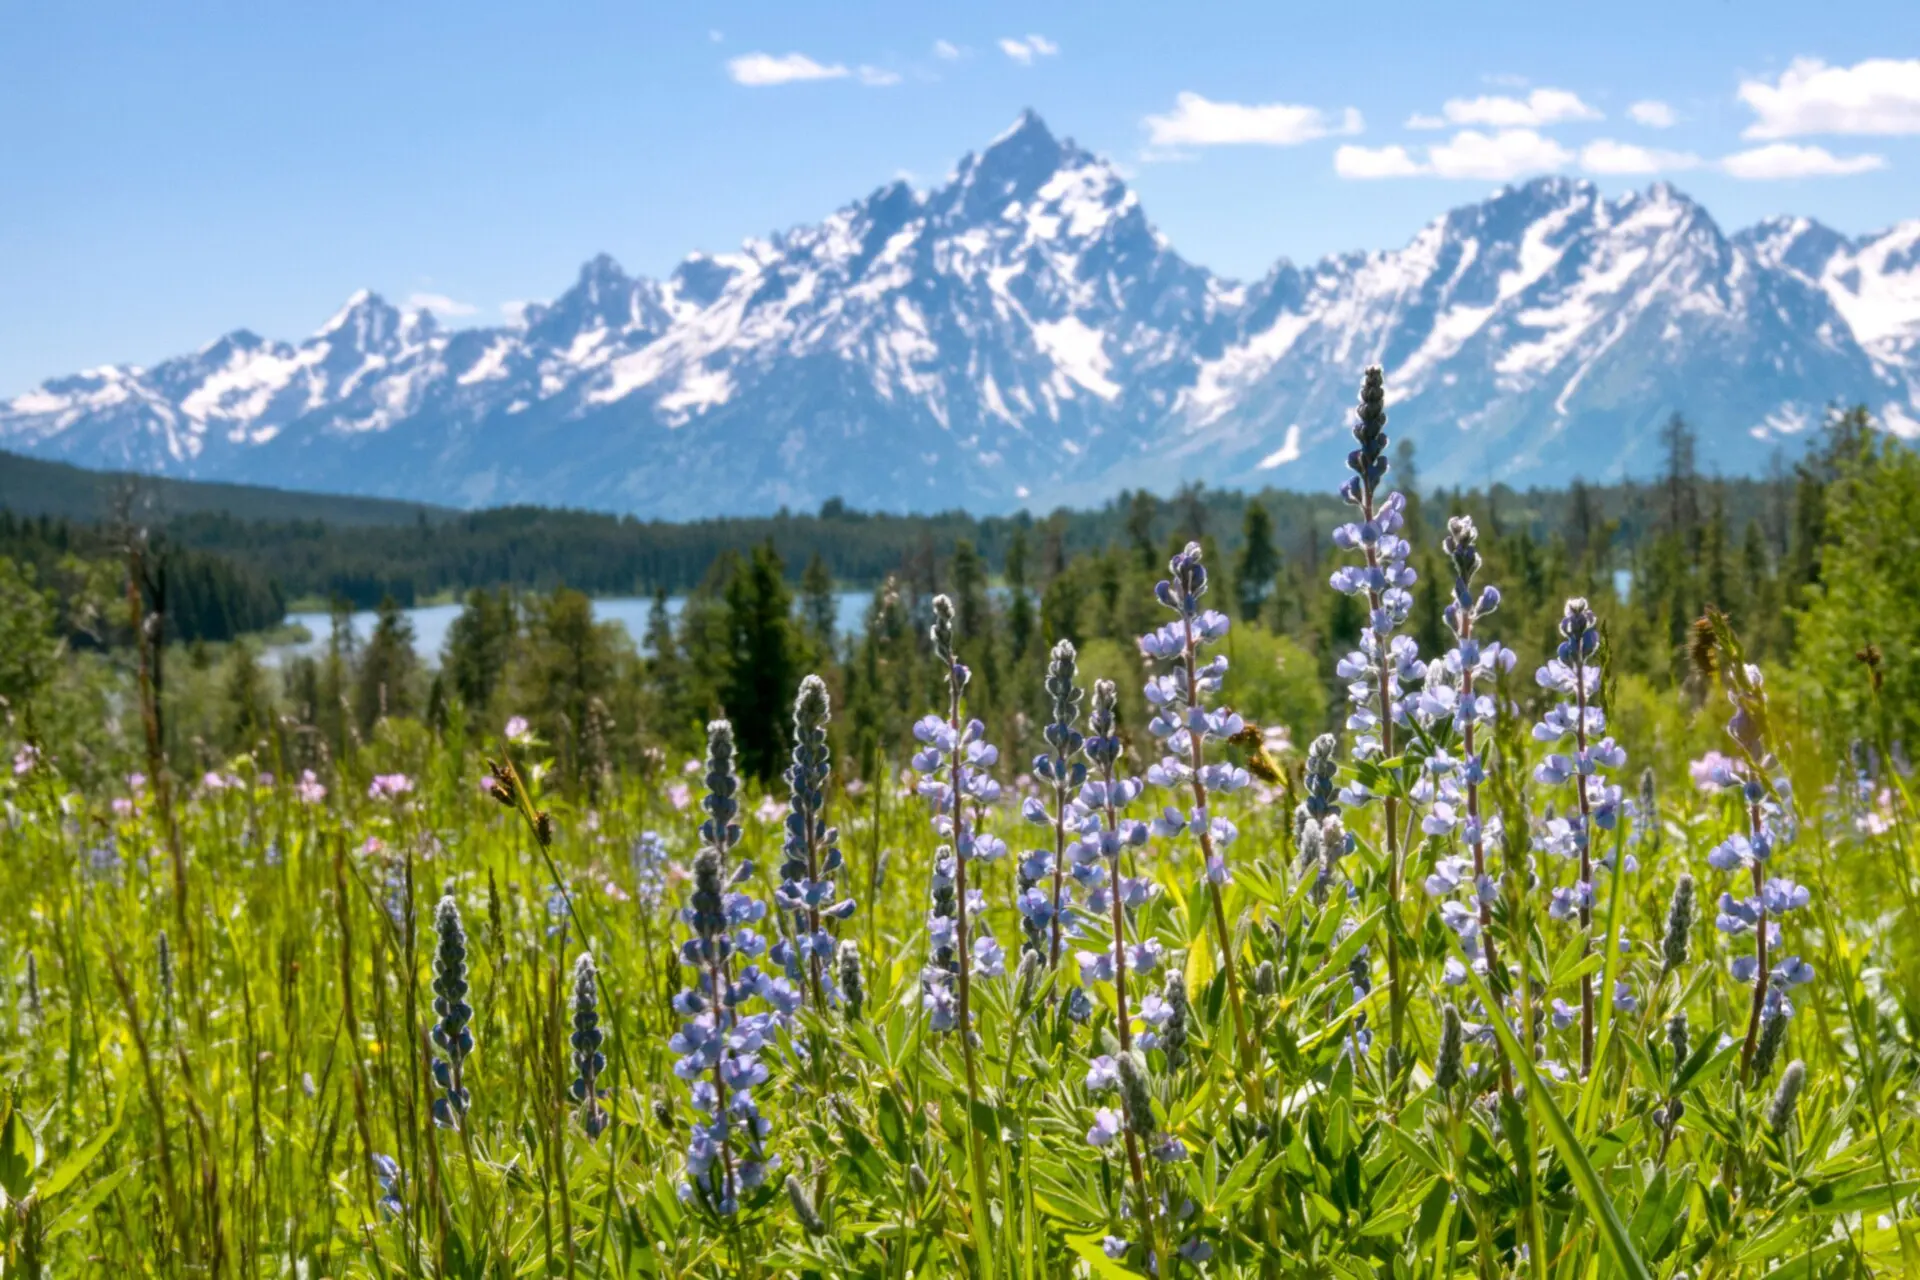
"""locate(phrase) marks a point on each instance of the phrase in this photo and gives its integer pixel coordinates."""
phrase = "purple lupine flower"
(1047, 914)
(719, 1046)
(1570, 674)
(811, 850)
(953, 765)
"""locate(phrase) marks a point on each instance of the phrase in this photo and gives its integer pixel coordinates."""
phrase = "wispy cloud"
(761, 69)
(1200, 122)
(878, 77)
(948, 51)
(1538, 109)
(1796, 160)
(1879, 96)
(1608, 156)
(1024, 51)
(1653, 114)
(440, 305)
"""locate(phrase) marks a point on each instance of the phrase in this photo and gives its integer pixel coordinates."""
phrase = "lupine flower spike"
(1571, 675)
(1185, 724)
(1044, 912)
(812, 851)
(1452, 702)
(719, 1047)
(953, 768)
(1097, 861)
(1384, 663)
(451, 1032)
(954, 779)
(1765, 794)
(588, 1061)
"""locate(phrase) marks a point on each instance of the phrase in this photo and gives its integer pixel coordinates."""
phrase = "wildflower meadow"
(1502, 961)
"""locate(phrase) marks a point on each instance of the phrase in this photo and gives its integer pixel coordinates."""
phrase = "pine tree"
(249, 712)
(763, 668)
(572, 659)
(819, 608)
(1258, 563)
(1020, 619)
(479, 649)
(383, 686)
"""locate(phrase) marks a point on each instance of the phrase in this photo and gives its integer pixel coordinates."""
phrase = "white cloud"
(1539, 108)
(1025, 51)
(948, 51)
(440, 304)
(1510, 153)
(1795, 160)
(1612, 157)
(759, 69)
(516, 311)
(1653, 114)
(1421, 120)
(1375, 162)
(1201, 122)
(1500, 156)
(1877, 96)
(878, 77)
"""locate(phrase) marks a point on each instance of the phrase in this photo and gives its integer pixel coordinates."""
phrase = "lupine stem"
(1120, 993)
(976, 1155)
(1586, 858)
(1760, 974)
(1059, 851)
(1224, 932)
(1495, 974)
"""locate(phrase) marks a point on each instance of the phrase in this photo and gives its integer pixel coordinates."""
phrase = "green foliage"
(27, 645)
(1862, 605)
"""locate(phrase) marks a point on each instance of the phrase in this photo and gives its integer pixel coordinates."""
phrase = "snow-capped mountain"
(1022, 335)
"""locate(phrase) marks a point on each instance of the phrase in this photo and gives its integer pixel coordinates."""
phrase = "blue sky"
(174, 171)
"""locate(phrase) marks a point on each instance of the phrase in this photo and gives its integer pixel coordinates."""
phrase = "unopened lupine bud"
(917, 1180)
(1173, 1036)
(1026, 979)
(803, 1208)
(588, 1061)
(1673, 947)
(1677, 1039)
(450, 1032)
(1446, 1068)
(853, 987)
(1136, 1102)
(163, 962)
(1780, 1113)
(1266, 979)
(1773, 1032)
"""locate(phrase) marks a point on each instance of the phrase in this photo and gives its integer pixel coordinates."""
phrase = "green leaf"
(1090, 1250)
(1237, 1178)
(893, 1126)
(1585, 1180)
(76, 1164)
(19, 1155)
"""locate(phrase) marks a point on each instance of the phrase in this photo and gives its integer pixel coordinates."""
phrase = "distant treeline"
(539, 549)
(208, 596)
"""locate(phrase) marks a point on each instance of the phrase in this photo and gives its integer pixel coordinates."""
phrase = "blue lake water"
(431, 622)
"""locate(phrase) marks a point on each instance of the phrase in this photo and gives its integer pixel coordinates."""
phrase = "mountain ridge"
(1022, 335)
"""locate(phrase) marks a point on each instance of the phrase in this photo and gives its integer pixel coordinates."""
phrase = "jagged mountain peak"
(1020, 334)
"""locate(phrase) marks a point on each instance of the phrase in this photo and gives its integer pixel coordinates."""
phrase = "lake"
(431, 622)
